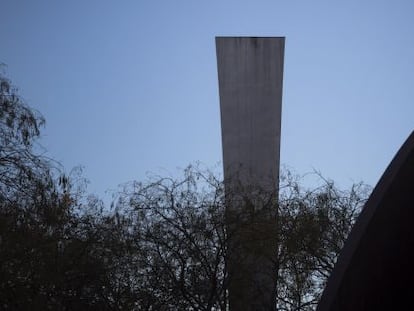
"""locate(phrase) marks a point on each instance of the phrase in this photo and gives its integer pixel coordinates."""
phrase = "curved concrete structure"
(375, 270)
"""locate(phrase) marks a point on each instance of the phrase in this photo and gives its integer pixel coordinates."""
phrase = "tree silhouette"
(163, 244)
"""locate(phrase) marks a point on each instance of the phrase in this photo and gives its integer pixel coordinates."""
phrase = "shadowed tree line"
(161, 245)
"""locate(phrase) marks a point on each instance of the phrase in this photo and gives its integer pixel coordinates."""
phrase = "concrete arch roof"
(375, 270)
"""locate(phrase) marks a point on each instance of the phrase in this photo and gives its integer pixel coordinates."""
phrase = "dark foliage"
(162, 245)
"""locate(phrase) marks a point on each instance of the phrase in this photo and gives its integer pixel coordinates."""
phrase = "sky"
(130, 87)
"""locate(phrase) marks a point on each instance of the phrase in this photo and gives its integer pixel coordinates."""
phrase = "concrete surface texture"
(250, 72)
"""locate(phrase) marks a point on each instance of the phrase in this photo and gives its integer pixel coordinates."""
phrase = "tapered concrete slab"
(250, 72)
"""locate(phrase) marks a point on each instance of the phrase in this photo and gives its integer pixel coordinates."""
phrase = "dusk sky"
(130, 87)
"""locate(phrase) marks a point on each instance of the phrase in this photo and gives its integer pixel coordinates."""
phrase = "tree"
(179, 238)
(313, 226)
(50, 249)
(21, 170)
(164, 243)
(178, 226)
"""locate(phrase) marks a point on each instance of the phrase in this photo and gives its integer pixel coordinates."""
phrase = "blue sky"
(130, 87)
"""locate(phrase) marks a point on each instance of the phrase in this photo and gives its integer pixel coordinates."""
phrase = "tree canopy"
(163, 243)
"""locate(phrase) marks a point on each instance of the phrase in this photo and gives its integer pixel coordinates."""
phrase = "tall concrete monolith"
(250, 72)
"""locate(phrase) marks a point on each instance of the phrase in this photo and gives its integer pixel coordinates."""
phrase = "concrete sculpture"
(250, 72)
